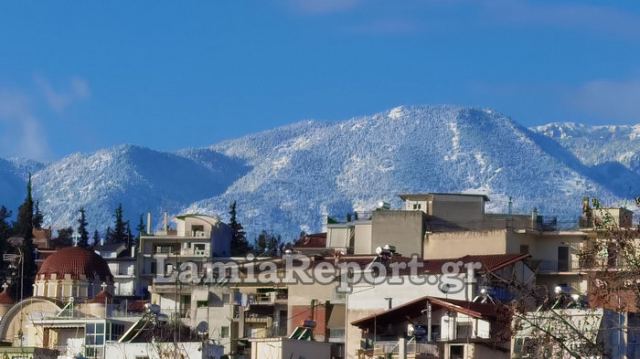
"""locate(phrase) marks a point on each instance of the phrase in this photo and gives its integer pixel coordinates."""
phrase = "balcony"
(391, 349)
(551, 266)
(270, 298)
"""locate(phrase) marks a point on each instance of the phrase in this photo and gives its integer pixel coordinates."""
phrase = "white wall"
(192, 350)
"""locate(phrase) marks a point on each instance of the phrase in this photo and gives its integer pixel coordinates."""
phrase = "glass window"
(224, 332)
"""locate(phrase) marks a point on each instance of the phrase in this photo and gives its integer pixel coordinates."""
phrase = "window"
(202, 303)
(94, 338)
(456, 352)
(114, 331)
(335, 333)
(464, 331)
(199, 249)
(563, 259)
(417, 206)
(224, 332)
(226, 298)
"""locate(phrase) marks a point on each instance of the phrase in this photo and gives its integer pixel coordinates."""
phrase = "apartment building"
(451, 225)
(195, 238)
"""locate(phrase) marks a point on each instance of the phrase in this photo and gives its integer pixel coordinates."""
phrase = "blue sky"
(78, 76)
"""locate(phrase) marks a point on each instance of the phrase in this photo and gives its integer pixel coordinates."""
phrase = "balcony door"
(563, 259)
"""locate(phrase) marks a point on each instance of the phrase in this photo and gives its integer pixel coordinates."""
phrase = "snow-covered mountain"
(286, 179)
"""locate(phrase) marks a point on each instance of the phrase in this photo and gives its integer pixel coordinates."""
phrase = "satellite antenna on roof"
(484, 296)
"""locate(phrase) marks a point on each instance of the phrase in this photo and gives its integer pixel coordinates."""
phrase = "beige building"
(196, 238)
(449, 225)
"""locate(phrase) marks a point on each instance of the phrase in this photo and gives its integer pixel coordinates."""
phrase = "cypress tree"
(141, 228)
(119, 232)
(82, 230)
(96, 238)
(24, 229)
(37, 216)
(5, 232)
(239, 244)
(65, 237)
(130, 238)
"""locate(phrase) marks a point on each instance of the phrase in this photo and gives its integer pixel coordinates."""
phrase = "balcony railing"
(413, 349)
(551, 266)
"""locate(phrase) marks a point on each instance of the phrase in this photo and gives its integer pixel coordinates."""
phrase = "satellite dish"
(378, 250)
(152, 308)
(202, 328)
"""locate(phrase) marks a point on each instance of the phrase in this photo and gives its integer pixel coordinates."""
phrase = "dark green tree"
(38, 218)
(64, 237)
(119, 232)
(268, 244)
(24, 229)
(130, 238)
(96, 238)
(5, 233)
(239, 244)
(108, 234)
(83, 241)
(141, 228)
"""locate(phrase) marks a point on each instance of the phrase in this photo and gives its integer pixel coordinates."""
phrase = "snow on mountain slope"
(311, 169)
(595, 145)
(141, 179)
(286, 179)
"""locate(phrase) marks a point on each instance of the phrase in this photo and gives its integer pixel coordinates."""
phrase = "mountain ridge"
(287, 178)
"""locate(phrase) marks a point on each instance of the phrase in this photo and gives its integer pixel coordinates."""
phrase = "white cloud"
(20, 131)
(610, 99)
(59, 100)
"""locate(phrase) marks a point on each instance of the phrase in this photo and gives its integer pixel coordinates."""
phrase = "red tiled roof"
(77, 262)
(101, 297)
(414, 308)
(316, 240)
(6, 298)
(490, 263)
(137, 306)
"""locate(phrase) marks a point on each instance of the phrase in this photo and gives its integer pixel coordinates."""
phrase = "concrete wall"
(477, 351)
(283, 348)
(338, 235)
(455, 209)
(363, 238)
(190, 350)
(442, 245)
(402, 229)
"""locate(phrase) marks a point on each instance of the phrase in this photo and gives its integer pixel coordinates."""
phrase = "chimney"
(133, 251)
(165, 223)
(149, 223)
